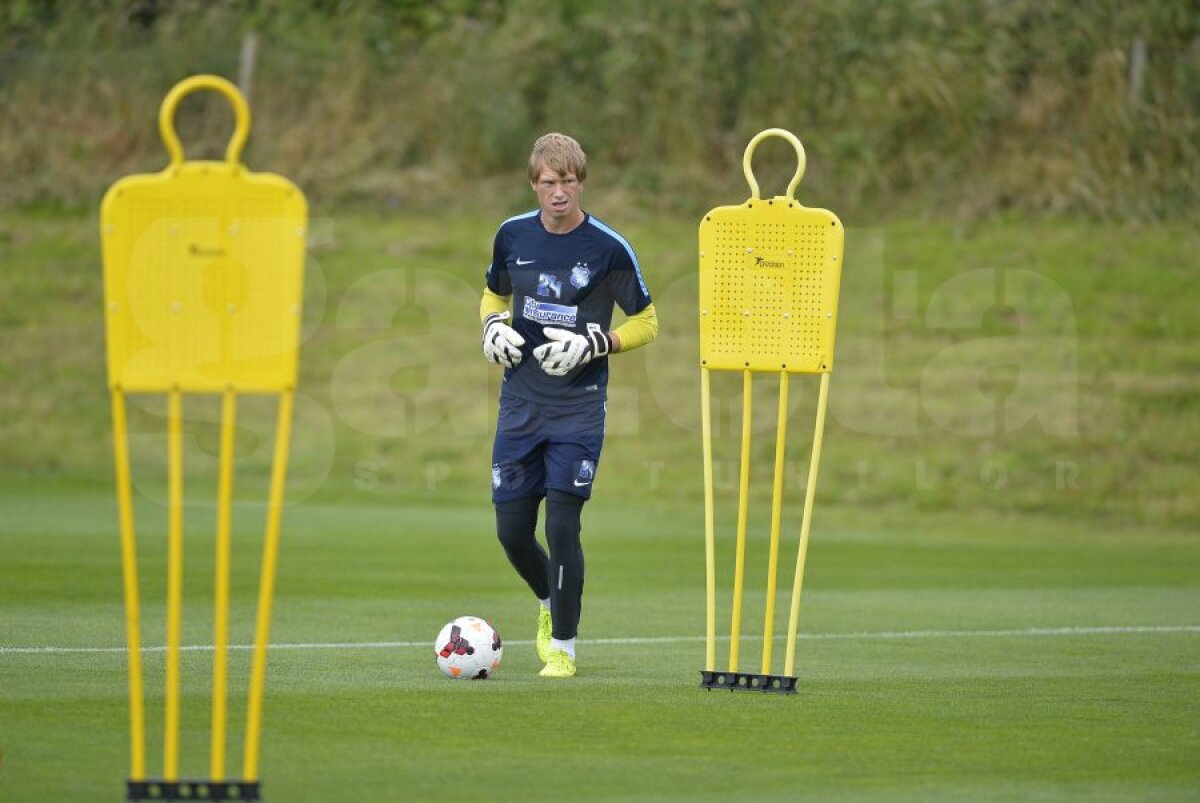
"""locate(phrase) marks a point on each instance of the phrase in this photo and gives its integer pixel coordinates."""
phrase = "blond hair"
(559, 153)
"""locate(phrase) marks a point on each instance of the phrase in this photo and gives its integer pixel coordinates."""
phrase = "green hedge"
(965, 108)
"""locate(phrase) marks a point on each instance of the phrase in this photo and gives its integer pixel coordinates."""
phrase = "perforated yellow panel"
(203, 270)
(770, 271)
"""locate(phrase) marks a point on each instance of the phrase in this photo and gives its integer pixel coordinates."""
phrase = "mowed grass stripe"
(1099, 630)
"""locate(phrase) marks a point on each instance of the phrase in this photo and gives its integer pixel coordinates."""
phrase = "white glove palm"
(501, 343)
(567, 350)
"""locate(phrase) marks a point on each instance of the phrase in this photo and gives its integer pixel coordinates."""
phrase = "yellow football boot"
(545, 625)
(559, 665)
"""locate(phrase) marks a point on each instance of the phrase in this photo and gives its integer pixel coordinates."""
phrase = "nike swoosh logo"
(579, 484)
(525, 262)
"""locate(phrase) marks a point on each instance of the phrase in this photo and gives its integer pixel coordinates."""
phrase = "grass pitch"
(991, 658)
(966, 634)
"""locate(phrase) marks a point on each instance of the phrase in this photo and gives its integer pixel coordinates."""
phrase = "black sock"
(516, 525)
(566, 561)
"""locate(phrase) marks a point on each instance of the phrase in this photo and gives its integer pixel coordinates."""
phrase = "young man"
(556, 273)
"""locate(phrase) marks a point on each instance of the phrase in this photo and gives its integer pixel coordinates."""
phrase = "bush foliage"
(956, 107)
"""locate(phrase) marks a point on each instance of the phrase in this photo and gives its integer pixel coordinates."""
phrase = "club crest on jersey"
(580, 275)
(550, 285)
(556, 314)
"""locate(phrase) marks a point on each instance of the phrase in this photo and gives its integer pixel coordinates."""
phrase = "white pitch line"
(860, 636)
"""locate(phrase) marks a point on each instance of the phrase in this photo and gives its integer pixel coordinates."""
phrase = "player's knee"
(516, 521)
(562, 518)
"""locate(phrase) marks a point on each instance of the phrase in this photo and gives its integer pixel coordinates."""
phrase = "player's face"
(558, 198)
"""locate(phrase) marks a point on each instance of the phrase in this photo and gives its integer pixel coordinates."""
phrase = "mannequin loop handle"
(197, 83)
(801, 160)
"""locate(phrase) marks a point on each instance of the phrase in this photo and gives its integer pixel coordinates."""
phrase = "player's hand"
(501, 343)
(567, 350)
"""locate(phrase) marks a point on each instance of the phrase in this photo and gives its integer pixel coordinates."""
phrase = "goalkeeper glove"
(501, 343)
(567, 350)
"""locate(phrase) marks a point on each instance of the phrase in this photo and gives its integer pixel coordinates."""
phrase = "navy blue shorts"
(542, 446)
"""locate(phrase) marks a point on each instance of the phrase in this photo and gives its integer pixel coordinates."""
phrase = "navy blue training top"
(567, 281)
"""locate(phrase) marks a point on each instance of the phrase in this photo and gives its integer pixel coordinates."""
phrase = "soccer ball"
(468, 648)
